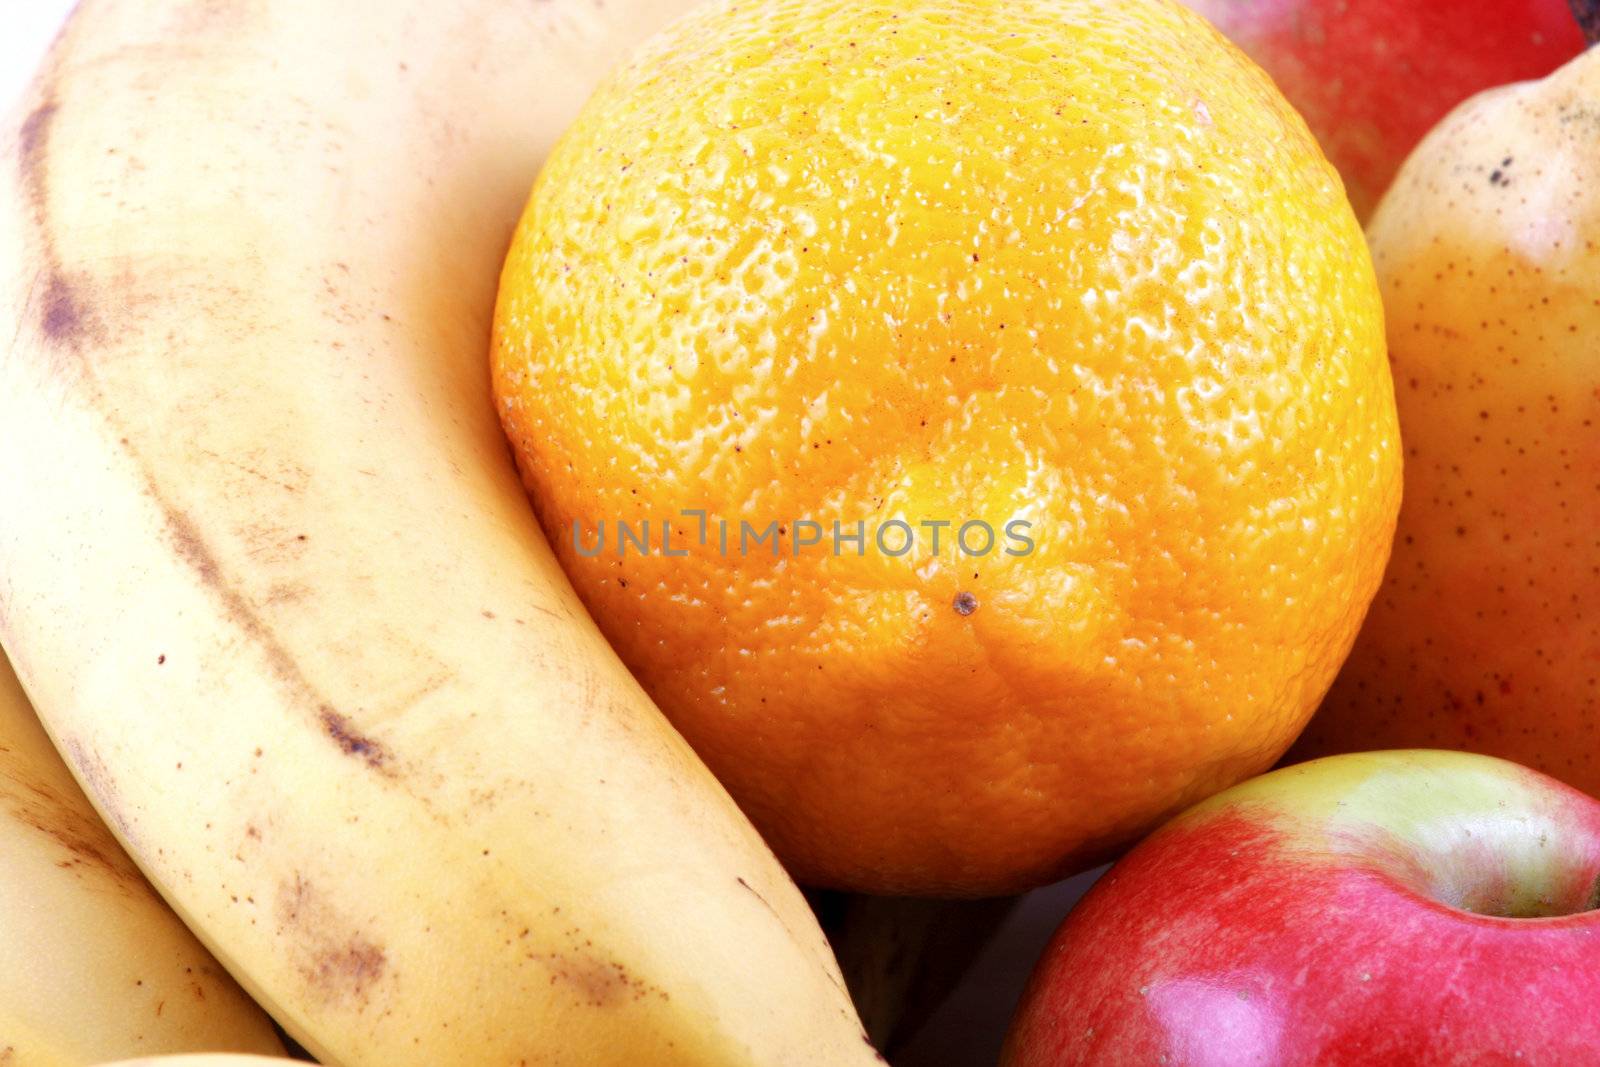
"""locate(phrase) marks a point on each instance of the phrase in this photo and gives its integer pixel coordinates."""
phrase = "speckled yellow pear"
(269, 574)
(1486, 633)
(93, 965)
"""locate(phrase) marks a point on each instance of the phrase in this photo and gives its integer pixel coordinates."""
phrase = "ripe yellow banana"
(216, 1060)
(270, 576)
(92, 964)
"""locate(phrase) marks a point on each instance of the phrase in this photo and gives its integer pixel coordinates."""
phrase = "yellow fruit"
(1486, 633)
(1068, 262)
(204, 1060)
(268, 573)
(93, 965)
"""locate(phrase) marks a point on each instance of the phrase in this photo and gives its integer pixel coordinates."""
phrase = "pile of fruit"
(916, 450)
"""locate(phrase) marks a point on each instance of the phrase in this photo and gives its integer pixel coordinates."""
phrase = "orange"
(1072, 264)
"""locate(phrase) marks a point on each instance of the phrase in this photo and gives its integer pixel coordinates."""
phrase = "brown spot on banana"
(350, 741)
(335, 958)
(41, 806)
(597, 983)
(63, 316)
(355, 966)
(338, 727)
(66, 322)
(32, 162)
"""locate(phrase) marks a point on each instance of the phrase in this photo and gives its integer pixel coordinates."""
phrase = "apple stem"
(1587, 12)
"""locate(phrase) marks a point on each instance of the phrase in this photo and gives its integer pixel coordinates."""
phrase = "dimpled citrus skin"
(1069, 262)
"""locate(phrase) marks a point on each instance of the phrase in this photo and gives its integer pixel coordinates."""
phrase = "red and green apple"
(1411, 907)
(1372, 76)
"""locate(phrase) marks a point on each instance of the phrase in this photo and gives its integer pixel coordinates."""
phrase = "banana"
(269, 574)
(93, 965)
(215, 1060)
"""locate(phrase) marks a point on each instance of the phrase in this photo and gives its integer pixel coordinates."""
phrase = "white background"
(26, 27)
(967, 1031)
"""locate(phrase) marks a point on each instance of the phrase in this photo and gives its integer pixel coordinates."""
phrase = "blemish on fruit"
(357, 965)
(351, 741)
(31, 140)
(61, 319)
(598, 983)
(187, 539)
(965, 603)
(752, 891)
(331, 957)
(39, 805)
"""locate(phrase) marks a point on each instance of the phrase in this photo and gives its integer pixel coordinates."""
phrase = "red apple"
(1413, 907)
(1372, 76)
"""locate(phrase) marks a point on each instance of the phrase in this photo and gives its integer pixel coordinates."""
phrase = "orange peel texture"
(1073, 263)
